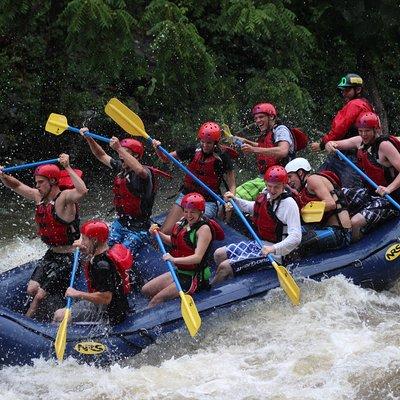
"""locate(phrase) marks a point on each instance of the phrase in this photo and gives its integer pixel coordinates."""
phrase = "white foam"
(20, 250)
(342, 342)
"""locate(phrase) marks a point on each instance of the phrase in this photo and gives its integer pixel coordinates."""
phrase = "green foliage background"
(179, 63)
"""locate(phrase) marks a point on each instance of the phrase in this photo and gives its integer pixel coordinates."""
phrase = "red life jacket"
(132, 203)
(268, 225)
(264, 161)
(204, 167)
(367, 160)
(304, 196)
(359, 105)
(233, 153)
(267, 141)
(65, 181)
(53, 230)
(122, 260)
(300, 138)
(184, 242)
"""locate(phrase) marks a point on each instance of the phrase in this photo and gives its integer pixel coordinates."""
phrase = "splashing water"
(342, 342)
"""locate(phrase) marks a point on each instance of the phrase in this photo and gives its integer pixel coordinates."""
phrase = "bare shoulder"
(315, 180)
(387, 146)
(65, 196)
(204, 230)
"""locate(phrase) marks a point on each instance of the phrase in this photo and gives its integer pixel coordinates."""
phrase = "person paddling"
(334, 230)
(57, 220)
(107, 277)
(344, 126)
(190, 243)
(276, 218)
(134, 191)
(209, 163)
(378, 156)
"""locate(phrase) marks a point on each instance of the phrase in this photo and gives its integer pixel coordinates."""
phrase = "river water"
(342, 342)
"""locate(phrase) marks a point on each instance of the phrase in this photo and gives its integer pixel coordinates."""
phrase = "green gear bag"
(250, 189)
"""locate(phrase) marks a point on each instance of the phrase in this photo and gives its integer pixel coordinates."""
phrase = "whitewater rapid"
(342, 342)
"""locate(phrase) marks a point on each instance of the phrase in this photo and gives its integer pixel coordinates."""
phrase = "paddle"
(61, 338)
(28, 165)
(226, 128)
(313, 211)
(129, 121)
(188, 307)
(57, 124)
(366, 177)
(232, 139)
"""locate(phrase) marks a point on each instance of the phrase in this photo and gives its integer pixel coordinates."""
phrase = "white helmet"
(298, 163)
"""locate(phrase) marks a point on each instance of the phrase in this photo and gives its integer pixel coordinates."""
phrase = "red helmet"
(276, 174)
(368, 120)
(50, 171)
(193, 201)
(264, 108)
(209, 131)
(133, 145)
(95, 229)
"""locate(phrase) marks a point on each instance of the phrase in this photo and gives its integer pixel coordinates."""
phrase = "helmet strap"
(302, 178)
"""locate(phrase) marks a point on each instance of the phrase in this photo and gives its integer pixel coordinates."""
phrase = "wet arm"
(132, 162)
(281, 150)
(98, 151)
(204, 238)
(231, 181)
(316, 185)
(95, 297)
(20, 188)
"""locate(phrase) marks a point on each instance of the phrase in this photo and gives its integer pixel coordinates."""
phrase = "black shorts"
(53, 272)
(192, 284)
(374, 208)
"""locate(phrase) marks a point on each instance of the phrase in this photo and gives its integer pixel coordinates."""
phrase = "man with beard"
(343, 127)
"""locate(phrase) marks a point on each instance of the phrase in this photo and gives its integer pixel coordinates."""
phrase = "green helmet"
(350, 80)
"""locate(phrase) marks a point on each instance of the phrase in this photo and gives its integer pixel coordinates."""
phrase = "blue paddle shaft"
(215, 196)
(90, 134)
(73, 273)
(365, 176)
(169, 263)
(29, 165)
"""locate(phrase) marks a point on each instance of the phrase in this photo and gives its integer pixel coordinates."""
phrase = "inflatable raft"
(373, 262)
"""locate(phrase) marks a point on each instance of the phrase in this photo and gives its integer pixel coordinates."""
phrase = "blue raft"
(373, 262)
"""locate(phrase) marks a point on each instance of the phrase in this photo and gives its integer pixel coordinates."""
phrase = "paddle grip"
(73, 273)
(366, 177)
(90, 134)
(238, 142)
(29, 165)
(169, 263)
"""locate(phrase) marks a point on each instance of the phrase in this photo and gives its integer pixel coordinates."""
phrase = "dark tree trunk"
(369, 75)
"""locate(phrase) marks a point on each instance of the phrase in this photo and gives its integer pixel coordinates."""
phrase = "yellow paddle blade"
(287, 283)
(313, 211)
(227, 133)
(56, 124)
(190, 314)
(61, 338)
(125, 118)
